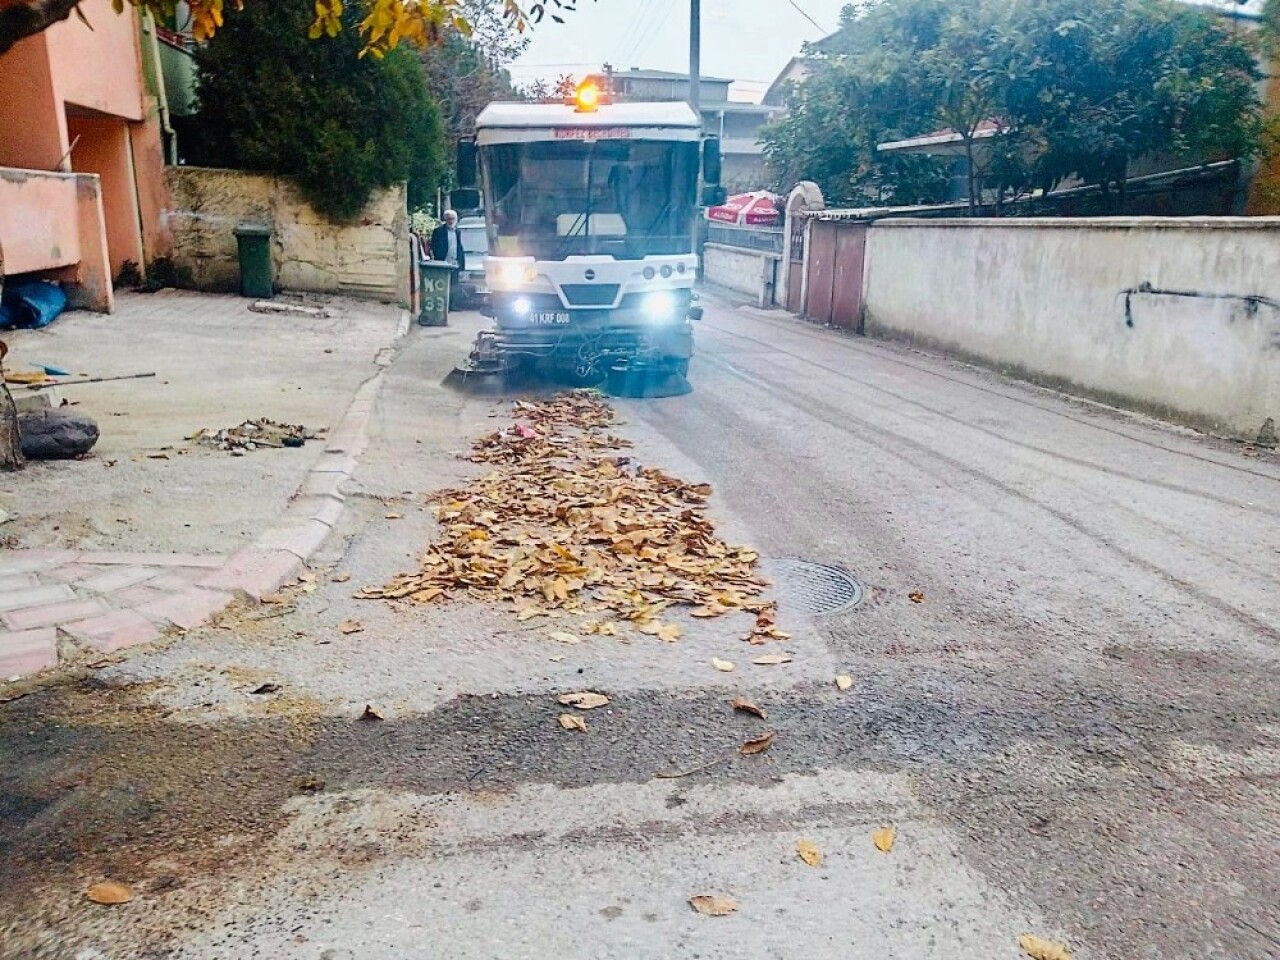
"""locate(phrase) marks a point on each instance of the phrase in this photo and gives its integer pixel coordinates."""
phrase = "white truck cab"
(591, 217)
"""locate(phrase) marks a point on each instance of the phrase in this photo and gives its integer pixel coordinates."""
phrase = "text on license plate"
(549, 316)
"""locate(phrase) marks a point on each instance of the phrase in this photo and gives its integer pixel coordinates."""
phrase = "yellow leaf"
(528, 613)
(883, 839)
(843, 682)
(809, 852)
(109, 894)
(759, 744)
(712, 906)
(569, 722)
(1038, 949)
(586, 700)
(350, 627)
(561, 637)
(670, 633)
(724, 666)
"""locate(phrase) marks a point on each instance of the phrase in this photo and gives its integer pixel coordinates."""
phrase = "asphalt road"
(1076, 733)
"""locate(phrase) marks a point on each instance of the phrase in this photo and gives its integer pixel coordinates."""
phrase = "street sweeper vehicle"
(591, 210)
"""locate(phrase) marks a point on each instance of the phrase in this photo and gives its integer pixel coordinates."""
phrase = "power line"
(800, 10)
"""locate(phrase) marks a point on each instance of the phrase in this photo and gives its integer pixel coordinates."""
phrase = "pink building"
(81, 157)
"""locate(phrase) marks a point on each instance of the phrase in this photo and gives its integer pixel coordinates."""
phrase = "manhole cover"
(812, 588)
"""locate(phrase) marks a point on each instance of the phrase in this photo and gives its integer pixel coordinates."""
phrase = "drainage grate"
(815, 589)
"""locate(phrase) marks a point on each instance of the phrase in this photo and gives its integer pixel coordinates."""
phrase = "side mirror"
(467, 176)
(714, 196)
(711, 162)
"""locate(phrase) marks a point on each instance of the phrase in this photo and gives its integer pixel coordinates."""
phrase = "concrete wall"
(746, 271)
(367, 258)
(1180, 318)
(58, 217)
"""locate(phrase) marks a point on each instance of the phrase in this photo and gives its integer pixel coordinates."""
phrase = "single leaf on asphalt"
(341, 577)
(394, 516)
(266, 688)
(109, 894)
(350, 626)
(711, 906)
(883, 839)
(583, 701)
(771, 660)
(569, 722)
(370, 713)
(843, 682)
(916, 596)
(557, 658)
(560, 636)
(809, 852)
(759, 744)
(746, 706)
(1038, 949)
(528, 613)
(670, 633)
(724, 666)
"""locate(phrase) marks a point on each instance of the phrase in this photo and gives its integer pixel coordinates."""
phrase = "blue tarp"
(31, 304)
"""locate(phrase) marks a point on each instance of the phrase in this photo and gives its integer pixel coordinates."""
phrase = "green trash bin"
(437, 279)
(254, 243)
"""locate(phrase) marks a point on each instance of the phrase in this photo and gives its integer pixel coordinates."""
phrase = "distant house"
(737, 124)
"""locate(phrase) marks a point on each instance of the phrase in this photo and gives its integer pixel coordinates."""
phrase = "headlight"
(522, 306)
(660, 306)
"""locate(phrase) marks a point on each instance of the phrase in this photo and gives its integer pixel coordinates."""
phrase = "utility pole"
(695, 56)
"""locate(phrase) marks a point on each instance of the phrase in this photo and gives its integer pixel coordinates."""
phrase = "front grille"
(590, 294)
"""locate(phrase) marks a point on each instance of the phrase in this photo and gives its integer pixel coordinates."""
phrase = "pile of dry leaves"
(254, 435)
(567, 523)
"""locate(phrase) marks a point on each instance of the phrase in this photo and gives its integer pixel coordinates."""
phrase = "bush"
(339, 125)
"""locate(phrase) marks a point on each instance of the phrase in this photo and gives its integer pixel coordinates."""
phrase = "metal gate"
(795, 269)
(836, 254)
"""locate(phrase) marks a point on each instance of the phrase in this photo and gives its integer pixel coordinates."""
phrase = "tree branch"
(22, 19)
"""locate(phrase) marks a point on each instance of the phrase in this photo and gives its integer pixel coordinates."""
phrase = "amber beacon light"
(587, 98)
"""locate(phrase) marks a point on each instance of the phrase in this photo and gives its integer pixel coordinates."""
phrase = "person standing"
(446, 247)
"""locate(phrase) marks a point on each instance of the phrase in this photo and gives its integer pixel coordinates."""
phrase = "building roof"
(940, 142)
(635, 73)
(545, 115)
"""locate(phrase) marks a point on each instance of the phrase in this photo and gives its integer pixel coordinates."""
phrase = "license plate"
(549, 316)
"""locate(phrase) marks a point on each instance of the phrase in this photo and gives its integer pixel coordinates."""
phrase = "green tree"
(464, 73)
(340, 126)
(1074, 90)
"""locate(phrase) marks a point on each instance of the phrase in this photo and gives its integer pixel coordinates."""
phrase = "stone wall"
(751, 272)
(367, 258)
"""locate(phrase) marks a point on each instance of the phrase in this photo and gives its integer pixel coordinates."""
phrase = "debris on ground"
(109, 894)
(55, 435)
(758, 745)
(844, 683)
(1040, 949)
(809, 852)
(746, 706)
(884, 838)
(566, 523)
(255, 435)
(712, 906)
(587, 700)
(570, 722)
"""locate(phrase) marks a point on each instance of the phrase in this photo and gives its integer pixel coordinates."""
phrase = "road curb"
(283, 549)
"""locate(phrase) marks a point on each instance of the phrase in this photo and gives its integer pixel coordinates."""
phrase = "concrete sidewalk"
(151, 531)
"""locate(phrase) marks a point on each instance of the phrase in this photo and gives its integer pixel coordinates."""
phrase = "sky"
(748, 40)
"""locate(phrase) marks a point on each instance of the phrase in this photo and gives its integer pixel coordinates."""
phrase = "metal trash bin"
(256, 275)
(437, 281)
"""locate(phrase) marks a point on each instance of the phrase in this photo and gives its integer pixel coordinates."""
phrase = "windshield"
(628, 199)
(474, 239)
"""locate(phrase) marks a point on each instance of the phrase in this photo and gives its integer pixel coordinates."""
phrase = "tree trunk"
(10, 442)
